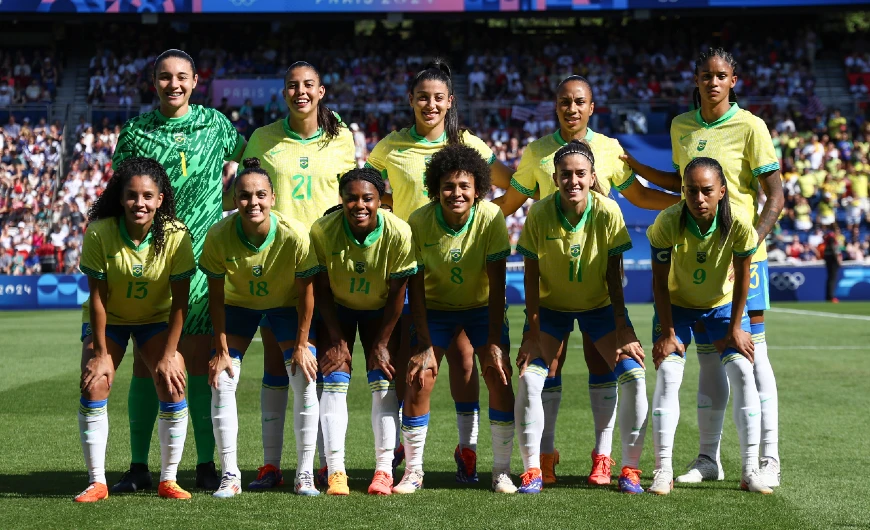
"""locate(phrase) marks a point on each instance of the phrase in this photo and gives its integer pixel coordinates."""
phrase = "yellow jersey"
(573, 259)
(740, 142)
(700, 263)
(859, 185)
(138, 280)
(360, 273)
(401, 157)
(454, 261)
(258, 277)
(536, 168)
(305, 171)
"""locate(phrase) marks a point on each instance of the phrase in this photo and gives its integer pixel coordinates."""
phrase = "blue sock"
(757, 331)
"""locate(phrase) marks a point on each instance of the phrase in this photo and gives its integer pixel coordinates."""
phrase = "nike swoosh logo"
(220, 406)
(506, 442)
(553, 238)
(175, 436)
(91, 432)
(308, 406)
(336, 253)
(660, 413)
(754, 414)
(705, 406)
(683, 137)
(766, 400)
(609, 397)
(276, 151)
(113, 257)
(637, 429)
(402, 150)
(429, 244)
(232, 260)
(527, 424)
(269, 419)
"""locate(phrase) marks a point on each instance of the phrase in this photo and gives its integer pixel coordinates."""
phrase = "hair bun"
(251, 163)
(439, 64)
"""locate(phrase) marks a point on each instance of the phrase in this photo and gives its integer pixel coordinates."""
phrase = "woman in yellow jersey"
(305, 153)
(259, 266)
(401, 158)
(366, 258)
(695, 244)
(139, 260)
(461, 244)
(741, 143)
(573, 242)
(534, 178)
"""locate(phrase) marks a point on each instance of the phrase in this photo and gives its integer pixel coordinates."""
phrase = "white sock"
(603, 396)
(765, 382)
(501, 426)
(414, 430)
(747, 406)
(273, 407)
(713, 393)
(172, 431)
(321, 453)
(530, 411)
(225, 418)
(468, 423)
(551, 399)
(94, 435)
(666, 409)
(385, 419)
(333, 419)
(306, 418)
(399, 423)
(633, 413)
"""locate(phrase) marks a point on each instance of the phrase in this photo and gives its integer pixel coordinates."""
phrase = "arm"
(100, 365)
(496, 271)
(649, 199)
(771, 183)
(336, 346)
(511, 201)
(302, 356)
(229, 179)
(667, 342)
(669, 180)
(737, 338)
(626, 340)
(380, 354)
(167, 367)
(424, 357)
(501, 174)
(221, 360)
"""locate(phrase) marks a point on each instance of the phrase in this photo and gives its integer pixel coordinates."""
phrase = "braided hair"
(109, 204)
(723, 212)
(169, 54)
(579, 147)
(703, 58)
(252, 166)
(452, 159)
(368, 174)
(326, 119)
(438, 70)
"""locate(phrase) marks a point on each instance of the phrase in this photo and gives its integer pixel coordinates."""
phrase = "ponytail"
(438, 70)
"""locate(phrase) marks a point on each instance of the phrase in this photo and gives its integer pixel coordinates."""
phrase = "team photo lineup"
(406, 255)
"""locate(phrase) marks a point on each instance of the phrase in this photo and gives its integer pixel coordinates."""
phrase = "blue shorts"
(283, 321)
(716, 322)
(312, 330)
(406, 309)
(475, 323)
(759, 287)
(357, 316)
(120, 333)
(596, 322)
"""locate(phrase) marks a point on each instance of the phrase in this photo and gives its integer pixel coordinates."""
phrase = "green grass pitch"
(822, 373)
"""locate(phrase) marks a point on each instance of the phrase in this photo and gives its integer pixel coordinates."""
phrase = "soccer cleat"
(770, 471)
(663, 482)
(338, 484)
(411, 482)
(137, 478)
(398, 457)
(382, 484)
(96, 491)
(207, 477)
(600, 474)
(169, 489)
(268, 477)
(231, 485)
(629, 481)
(466, 465)
(754, 481)
(702, 469)
(304, 485)
(502, 483)
(531, 481)
(548, 466)
(321, 478)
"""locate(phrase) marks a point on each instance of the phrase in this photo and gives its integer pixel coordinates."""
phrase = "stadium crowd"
(27, 77)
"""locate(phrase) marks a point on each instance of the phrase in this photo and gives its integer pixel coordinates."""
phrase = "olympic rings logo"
(787, 280)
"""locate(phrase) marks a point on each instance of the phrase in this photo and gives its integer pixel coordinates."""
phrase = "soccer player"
(572, 243)
(139, 260)
(741, 143)
(259, 266)
(401, 158)
(365, 259)
(192, 142)
(305, 153)
(461, 245)
(694, 244)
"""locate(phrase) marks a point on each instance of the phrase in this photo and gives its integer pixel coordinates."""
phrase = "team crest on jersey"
(179, 138)
(257, 270)
(137, 271)
(702, 144)
(701, 257)
(455, 254)
(303, 162)
(359, 266)
(575, 250)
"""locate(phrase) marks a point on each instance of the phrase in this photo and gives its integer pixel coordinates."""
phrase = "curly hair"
(452, 159)
(109, 204)
(368, 174)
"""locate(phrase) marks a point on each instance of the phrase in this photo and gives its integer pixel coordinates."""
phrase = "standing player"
(401, 158)
(703, 241)
(139, 260)
(534, 177)
(461, 244)
(306, 153)
(259, 267)
(741, 143)
(573, 242)
(366, 258)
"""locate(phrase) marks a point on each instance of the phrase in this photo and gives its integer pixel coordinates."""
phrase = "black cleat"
(137, 478)
(207, 477)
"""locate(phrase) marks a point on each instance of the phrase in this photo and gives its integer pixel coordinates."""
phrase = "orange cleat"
(97, 491)
(600, 474)
(338, 484)
(382, 484)
(169, 489)
(548, 466)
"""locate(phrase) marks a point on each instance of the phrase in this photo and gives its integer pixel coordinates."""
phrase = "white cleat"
(502, 483)
(304, 485)
(753, 481)
(663, 482)
(769, 471)
(702, 469)
(231, 485)
(411, 482)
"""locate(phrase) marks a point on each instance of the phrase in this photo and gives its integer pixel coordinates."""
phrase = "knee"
(671, 371)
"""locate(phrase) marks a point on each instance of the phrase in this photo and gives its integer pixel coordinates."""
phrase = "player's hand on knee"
(742, 342)
(379, 359)
(627, 344)
(96, 369)
(304, 360)
(665, 346)
(419, 363)
(221, 362)
(530, 350)
(170, 372)
(494, 358)
(335, 357)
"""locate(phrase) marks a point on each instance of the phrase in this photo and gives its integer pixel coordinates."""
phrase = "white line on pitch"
(819, 313)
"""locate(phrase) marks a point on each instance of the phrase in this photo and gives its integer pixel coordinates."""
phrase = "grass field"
(821, 371)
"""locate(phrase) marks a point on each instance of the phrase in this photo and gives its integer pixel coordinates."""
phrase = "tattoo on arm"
(771, 183)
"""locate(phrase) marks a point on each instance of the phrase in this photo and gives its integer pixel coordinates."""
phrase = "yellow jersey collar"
(692, 225)
(561, 141)
(564, 220)
(125, 237)
(439, 216)
(422, 139)
(273, 227)
(373, 236)
(725, 117)
(295, 136)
